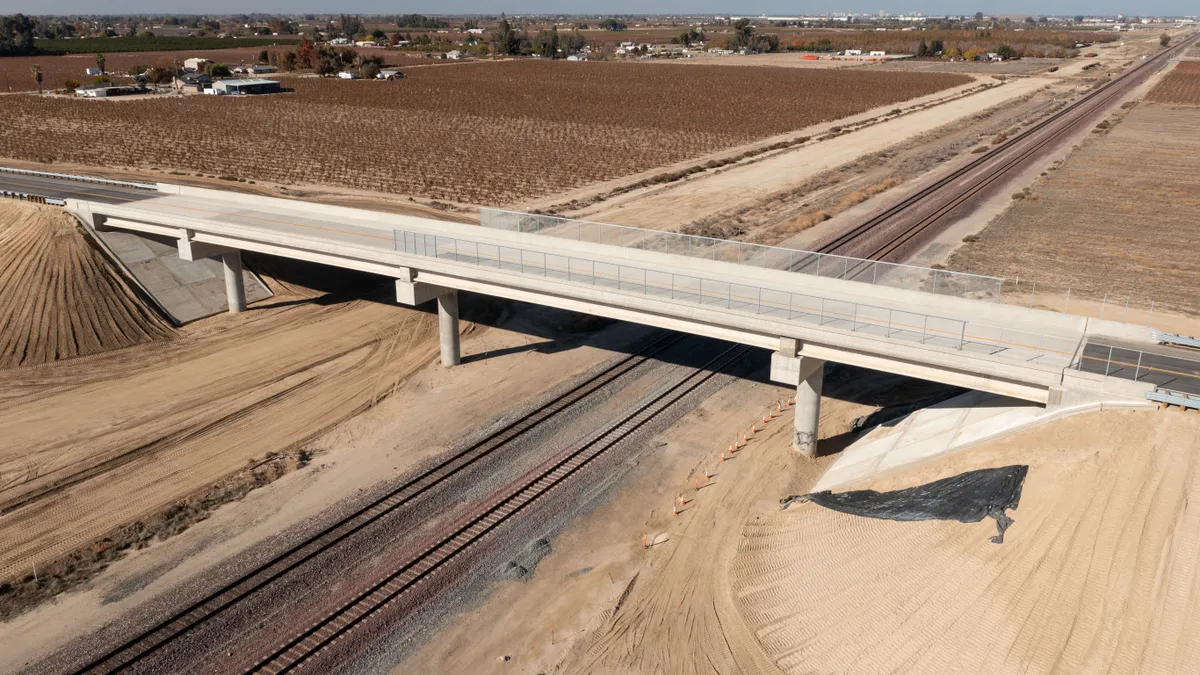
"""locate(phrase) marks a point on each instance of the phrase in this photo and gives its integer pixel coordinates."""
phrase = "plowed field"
(485, 133)
(1181, 85)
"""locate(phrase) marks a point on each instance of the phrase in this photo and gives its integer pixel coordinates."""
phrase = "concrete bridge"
(805, 320)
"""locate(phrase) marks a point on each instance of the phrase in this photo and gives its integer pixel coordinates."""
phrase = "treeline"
(153, 44)
(16, 35)
(420, 21)
(546, 43)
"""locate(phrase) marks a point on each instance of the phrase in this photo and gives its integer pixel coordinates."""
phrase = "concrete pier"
(448, 328)
(808, 406)
(235, 287)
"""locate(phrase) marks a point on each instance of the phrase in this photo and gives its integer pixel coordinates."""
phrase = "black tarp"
(968, 498)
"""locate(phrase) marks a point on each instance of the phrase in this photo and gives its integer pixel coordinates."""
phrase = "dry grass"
(486, 133)
(1117, 218)
(1181, 85)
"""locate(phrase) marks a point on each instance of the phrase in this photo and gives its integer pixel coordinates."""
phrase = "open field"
(1180, 86)
(486, 133)
(62, 298)
(1113, 219)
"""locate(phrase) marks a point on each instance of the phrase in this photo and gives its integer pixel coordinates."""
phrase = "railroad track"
(188, 619)
(405, 576)
(1002, 156)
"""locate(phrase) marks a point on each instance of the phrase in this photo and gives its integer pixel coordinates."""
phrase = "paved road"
(1171, 368)
(57, 188)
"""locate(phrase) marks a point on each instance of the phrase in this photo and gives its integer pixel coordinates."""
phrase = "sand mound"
(61, 297)
(1098, 573)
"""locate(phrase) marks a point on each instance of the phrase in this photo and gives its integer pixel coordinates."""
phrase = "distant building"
(255, 86)
(475, 31)
(390, 75)
(94, 71)
(348, 75)
(878, 53)
(853, 52)
(454, 54)
(195, 65)
(261, 70)
(196, 82)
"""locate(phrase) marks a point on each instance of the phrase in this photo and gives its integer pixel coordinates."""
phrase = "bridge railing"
(890, 323)
(892, 275)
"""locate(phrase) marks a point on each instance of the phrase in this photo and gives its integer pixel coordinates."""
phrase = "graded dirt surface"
(1098, 574)
(600, 602)
(1112, 219)
(62, 298)
(96, 443)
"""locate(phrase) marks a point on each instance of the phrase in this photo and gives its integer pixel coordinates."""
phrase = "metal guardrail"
(892, 275)
(894, 324)
(1173, 339)
(1180, 399)
(26, 197)
(83, 179)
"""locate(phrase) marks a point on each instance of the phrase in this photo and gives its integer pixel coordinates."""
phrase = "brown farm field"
(485, 133)
(1180, 86)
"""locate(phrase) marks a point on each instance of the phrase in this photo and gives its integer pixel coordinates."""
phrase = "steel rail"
(404, 577)
(184, 621)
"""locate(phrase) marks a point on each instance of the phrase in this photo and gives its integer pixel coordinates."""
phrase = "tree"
(37, 75)
(71, 85)
(507, 41)
(327, 62)
(546, 44)
(369, 70)
(1078, 18)
(306, 55)
(351, 26)
(288, 61)
(575, 42)
(348, 57)
(378, 35)
(1029, 20)
(264, 56)
(215, 70)
(16, 35)
(100, 63)
(922, 49)
(100, 79)
(1164, 40)
(1007, 53)
(979, 16)
(612, 24)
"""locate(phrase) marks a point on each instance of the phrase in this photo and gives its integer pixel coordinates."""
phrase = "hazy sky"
(716, 7)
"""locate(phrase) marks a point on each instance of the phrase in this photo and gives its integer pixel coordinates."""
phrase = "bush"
(71, 85)
(101, 79)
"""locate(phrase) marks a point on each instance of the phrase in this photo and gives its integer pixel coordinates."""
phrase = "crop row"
(488, 133)
(1181, 85)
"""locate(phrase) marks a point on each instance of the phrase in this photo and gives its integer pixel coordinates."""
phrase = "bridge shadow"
(557, 330)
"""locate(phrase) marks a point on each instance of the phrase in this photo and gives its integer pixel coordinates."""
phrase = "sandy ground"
(1097, 575)
(672, 597)
(61, 298)
(91, 444)
(679, 203)
(428, 411)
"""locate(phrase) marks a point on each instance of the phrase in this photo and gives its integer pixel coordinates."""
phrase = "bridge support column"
(448, 328)
(808, 406)
(235, 287)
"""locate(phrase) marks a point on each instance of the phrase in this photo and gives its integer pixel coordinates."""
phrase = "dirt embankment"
(1098, 574)
(62, 298)
(105, 454)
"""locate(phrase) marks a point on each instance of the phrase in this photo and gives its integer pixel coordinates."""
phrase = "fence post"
(819, 256)
(1031, 294)
(1067, 309)
(728, 296)
(1150, 319)
(924, 325)
(962, 338)
(845, 268)
(1125, 315)
(854, 321)
(1108, 363)
(874, 274)
(1138, 370)
(790, 301)
(1103, 305)
(935, 282)
(759, 310)
(889, 328)
(822, 319)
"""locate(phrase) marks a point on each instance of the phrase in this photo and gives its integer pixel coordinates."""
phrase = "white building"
(347, 75)
(454, 54)
(195, 64)
(853, 52)
(878, 53)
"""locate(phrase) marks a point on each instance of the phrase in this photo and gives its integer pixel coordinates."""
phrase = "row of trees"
(16, 35)
(547, 43)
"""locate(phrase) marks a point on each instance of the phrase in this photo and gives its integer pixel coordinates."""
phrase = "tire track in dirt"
(61, 298)
(1098, 574)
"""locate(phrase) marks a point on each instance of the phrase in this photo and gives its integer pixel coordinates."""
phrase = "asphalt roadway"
(1173, 368)
(63, 188)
